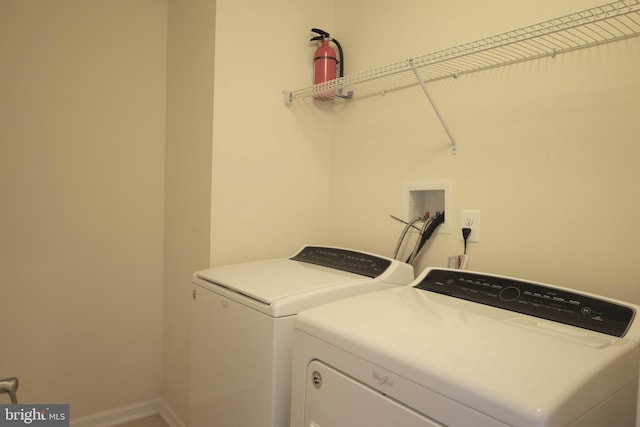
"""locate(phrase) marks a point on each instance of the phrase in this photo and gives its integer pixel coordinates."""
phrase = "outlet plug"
(471, 219)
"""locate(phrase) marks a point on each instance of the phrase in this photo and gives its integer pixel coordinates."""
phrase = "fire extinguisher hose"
(341, 56)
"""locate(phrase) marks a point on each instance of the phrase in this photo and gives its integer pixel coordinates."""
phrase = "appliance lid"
(270, 280)
(313, 268)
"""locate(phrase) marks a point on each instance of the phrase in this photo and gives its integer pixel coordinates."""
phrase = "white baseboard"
(170, 417)
(128, 413)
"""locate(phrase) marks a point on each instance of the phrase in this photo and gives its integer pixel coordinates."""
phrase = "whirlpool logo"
(34, 415)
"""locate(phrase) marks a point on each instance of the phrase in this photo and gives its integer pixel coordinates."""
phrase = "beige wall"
(271, 163)
(81, 176)
(547, 152)
(187, 183)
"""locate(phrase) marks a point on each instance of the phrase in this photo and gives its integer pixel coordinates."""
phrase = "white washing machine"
(459, 348)
(242, 328)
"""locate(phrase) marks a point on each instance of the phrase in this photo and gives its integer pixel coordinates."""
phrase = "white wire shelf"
(609, 22)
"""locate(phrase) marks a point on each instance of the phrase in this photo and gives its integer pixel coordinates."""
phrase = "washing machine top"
(512, 353)
(314, 275)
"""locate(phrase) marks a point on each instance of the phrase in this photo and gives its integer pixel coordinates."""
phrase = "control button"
(510, 294)
(585, 310)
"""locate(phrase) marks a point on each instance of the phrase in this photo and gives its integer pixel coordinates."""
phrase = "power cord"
(429, 227)
(465, 235)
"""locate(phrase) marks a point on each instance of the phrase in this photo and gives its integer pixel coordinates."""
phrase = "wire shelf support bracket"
(435, 109)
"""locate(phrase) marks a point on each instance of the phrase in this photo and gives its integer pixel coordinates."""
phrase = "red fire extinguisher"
(326, 62)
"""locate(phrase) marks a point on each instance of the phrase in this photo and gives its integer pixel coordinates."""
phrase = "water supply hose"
(428, 227)
(404, 234)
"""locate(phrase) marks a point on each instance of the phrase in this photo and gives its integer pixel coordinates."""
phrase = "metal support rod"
(435, 108)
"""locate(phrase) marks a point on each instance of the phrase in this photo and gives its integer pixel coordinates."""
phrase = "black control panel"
(533, 299)
(342, 259)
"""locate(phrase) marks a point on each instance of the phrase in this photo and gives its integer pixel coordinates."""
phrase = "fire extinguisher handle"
(322, 34)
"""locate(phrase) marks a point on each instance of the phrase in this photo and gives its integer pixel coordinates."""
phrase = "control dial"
(510, 293)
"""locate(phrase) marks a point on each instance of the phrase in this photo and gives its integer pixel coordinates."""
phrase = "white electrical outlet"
(470, 219)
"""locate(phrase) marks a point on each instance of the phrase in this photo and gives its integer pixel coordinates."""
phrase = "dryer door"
(333, 399)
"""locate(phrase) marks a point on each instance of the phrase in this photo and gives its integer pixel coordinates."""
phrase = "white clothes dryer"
(242, 328)
(460, 348)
